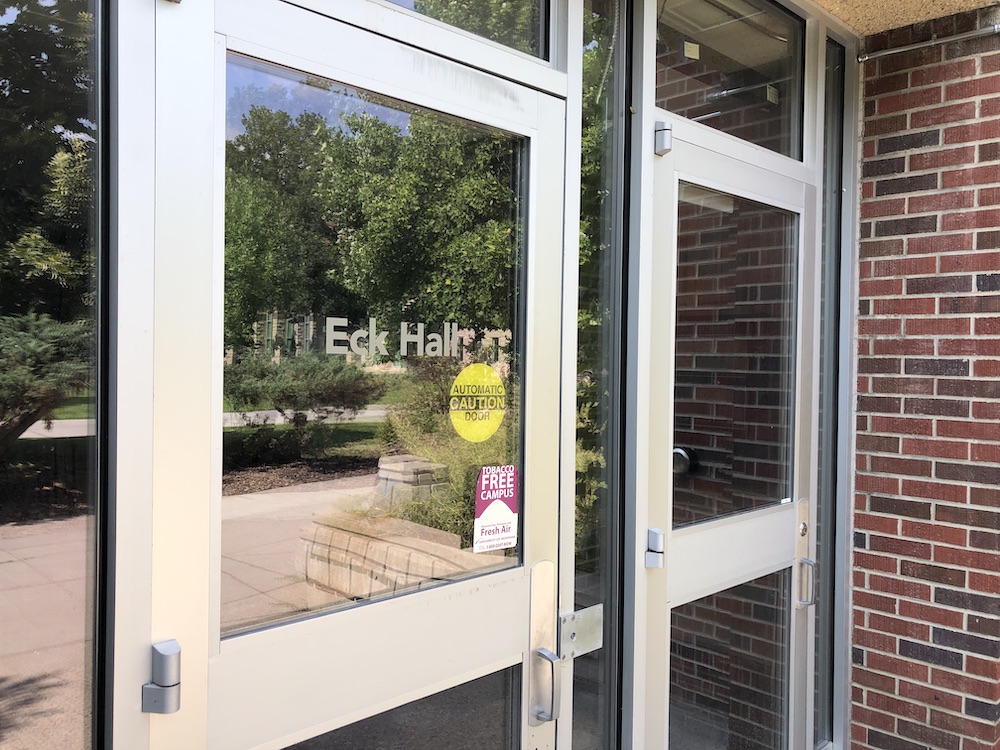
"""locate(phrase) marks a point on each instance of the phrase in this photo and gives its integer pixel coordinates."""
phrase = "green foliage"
(426, 220)
(46, 169)
(597, 278)
(280, 250)
(515, 23)
(45, 90)
(41, 360)
(421, 425)
(269, 445)
(304, 390)
(299, 387)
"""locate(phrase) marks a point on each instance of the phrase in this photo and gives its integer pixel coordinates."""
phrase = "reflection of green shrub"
(42, 360)
(297, 386)
(262, 445)
(304, 390)
(422, 426)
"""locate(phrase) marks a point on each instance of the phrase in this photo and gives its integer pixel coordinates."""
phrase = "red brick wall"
(926, 602)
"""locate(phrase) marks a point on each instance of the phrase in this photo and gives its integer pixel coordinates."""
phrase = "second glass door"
(732, 405)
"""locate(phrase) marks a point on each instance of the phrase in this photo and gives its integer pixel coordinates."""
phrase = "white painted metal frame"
(717, 555)
(133, 112)
(391, 20)
(273, 687)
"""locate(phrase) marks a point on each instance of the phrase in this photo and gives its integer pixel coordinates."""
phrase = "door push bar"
(163, 694)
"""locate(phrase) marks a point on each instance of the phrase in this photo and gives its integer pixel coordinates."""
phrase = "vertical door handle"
(542, 661)
(811, 599)
(555, 697)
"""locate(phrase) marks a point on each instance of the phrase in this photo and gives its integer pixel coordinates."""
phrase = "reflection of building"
(287, 333)
(277, 333)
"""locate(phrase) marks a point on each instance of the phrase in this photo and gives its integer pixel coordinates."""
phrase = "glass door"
(731, 448)
(357, 348)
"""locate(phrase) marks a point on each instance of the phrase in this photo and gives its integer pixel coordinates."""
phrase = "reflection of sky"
(252, 84)
(9, 16)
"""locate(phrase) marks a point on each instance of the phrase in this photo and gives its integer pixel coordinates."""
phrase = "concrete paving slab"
(18, 574)
(43, 649)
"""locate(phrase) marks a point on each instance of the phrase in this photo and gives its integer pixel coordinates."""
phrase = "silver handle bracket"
(581, 632)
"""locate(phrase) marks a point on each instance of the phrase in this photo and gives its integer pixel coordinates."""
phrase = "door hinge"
(654, 548)
(163, 694)
(663, 138)
(581, 632)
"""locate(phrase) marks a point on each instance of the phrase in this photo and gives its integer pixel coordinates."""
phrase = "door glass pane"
(736, 292)
(734, 65)
(520, 24)
(596, 687)
(372, 346)
(479, 715)
(729, 668)
(50, 249)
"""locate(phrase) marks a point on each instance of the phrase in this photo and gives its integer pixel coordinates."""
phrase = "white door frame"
(168, 212)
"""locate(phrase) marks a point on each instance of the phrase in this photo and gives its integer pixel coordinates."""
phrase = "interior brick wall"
(733, 393)
(926, 598)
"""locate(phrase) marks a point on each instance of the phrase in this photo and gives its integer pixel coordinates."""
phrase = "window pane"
(736, 291)
(734, 65)
(729, 668)
(480, 715)
(596, 693)
(829, 357)
(372, 429)
(521, 24)
(48, 371)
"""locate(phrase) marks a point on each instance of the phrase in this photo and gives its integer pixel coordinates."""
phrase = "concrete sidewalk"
(44, 614)
(45, 646)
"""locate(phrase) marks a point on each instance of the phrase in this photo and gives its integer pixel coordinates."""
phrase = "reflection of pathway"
(262, 533)
(43, 621)
(85, 427)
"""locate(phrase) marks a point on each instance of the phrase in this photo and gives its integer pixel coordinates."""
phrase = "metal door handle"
(811, 600)
(556, 693)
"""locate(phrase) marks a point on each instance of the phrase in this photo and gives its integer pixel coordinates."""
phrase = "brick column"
(926, 603)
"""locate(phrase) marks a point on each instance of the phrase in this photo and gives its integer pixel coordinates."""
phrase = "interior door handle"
(555, 696)
(811, 599)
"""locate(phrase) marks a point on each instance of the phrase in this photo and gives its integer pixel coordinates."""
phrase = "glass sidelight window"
(51, 323)
(733, 395)
(372, 339)
(733, 65)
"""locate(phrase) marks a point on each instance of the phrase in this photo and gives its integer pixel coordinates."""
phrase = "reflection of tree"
(595, 319)
(426, 220)
(366, 218)
(46, 260)
(280, 250)
(515, 23)
(25, 699)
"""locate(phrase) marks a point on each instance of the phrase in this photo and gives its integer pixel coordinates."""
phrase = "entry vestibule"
(455, 377)
(288, 582)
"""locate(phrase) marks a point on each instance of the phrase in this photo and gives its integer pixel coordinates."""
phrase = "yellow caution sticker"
(477, 403)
